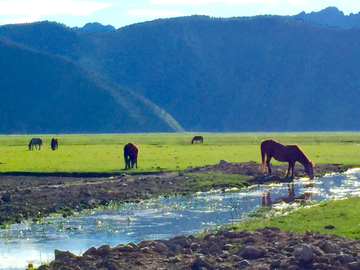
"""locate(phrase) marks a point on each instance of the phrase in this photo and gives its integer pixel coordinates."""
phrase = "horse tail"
(262, 159)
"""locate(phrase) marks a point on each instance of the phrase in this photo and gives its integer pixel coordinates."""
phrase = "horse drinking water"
(130, 155)
(196, 139)
(35, 142)
(285, 153)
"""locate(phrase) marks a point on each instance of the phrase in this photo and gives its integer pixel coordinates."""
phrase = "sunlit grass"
(343, 214)
(166, 151)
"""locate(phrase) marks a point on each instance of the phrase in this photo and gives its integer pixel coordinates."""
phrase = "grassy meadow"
(166, 151)
(344, 215)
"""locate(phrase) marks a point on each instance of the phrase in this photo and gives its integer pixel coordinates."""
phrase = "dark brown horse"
(285, 153)
(130, 155)
(54, 144)
(196, 139)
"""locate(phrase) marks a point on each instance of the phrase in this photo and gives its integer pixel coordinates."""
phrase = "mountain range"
(197, 73)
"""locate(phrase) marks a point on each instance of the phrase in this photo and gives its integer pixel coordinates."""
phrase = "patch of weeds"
(220, 180)
(66, 211)
(113, 191)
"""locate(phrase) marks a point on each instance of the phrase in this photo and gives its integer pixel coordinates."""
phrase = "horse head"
(309, 170)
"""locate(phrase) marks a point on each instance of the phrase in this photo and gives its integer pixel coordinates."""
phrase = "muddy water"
(154, 219)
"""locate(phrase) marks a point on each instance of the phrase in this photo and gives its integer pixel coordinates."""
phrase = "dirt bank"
(37, 195)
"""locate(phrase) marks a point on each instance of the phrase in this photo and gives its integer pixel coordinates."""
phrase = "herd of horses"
(269, 149)
(37, 143)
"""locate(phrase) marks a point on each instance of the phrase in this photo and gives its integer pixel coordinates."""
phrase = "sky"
(120, 13)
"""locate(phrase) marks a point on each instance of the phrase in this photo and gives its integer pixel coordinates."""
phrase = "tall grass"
(166, 151)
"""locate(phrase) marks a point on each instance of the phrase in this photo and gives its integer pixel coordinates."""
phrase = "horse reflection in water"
(34, 142)
(291, 197)
(285, 153)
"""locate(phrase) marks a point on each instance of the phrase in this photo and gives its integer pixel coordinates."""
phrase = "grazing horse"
(130, 155)
(196, 139)
(54, 144)
(285, 153)
(35, 142)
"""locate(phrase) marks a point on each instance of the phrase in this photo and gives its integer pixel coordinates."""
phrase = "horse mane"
(303, 154)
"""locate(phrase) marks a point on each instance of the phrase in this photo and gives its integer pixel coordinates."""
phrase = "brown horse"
(130, 155)
(285, 153)
(196, 139)
(54, 144)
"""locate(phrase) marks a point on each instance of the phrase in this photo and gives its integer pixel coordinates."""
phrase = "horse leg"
(290, 168)
(268, 158)
(126, 163)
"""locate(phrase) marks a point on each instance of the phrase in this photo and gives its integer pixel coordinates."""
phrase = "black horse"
(196, 139)
(54, 144)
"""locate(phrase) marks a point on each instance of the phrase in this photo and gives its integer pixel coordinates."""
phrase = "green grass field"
(166, 151)
(343, 214)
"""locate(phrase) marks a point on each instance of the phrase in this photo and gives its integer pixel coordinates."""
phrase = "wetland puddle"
(159, 218)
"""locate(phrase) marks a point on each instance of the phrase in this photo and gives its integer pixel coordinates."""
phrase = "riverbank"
(35, 196)
(68, 194)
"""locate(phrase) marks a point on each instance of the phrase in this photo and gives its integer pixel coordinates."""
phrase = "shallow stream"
(159, 218)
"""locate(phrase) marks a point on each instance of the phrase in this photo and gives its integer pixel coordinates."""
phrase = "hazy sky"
(120, 13)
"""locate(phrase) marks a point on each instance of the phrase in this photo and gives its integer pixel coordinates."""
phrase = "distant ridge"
(331, 17)
(95, 27)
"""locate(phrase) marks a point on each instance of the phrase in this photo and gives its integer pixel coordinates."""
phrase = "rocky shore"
(263, 249)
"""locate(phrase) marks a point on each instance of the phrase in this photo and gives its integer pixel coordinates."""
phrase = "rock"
(181, 173)
(124, 248)
(354, 265)
(252, 253)
(223, 161)
(329, 227)
(103, 250)
(182, 241)
(304, 253)
(90, 251)
(345, 258)
(329, 247)
(86, 192)
(161, 248)
(6, 197)
(64, 256)
(214, 248)
(228, 246)
(194, 246)
(145, 250)
(244, 263)
(200, 264)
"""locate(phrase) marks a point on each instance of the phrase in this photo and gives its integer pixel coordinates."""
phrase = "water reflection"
(153, 219)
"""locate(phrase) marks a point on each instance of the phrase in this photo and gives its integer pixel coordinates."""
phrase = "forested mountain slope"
(41, 93)
(263, 73)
